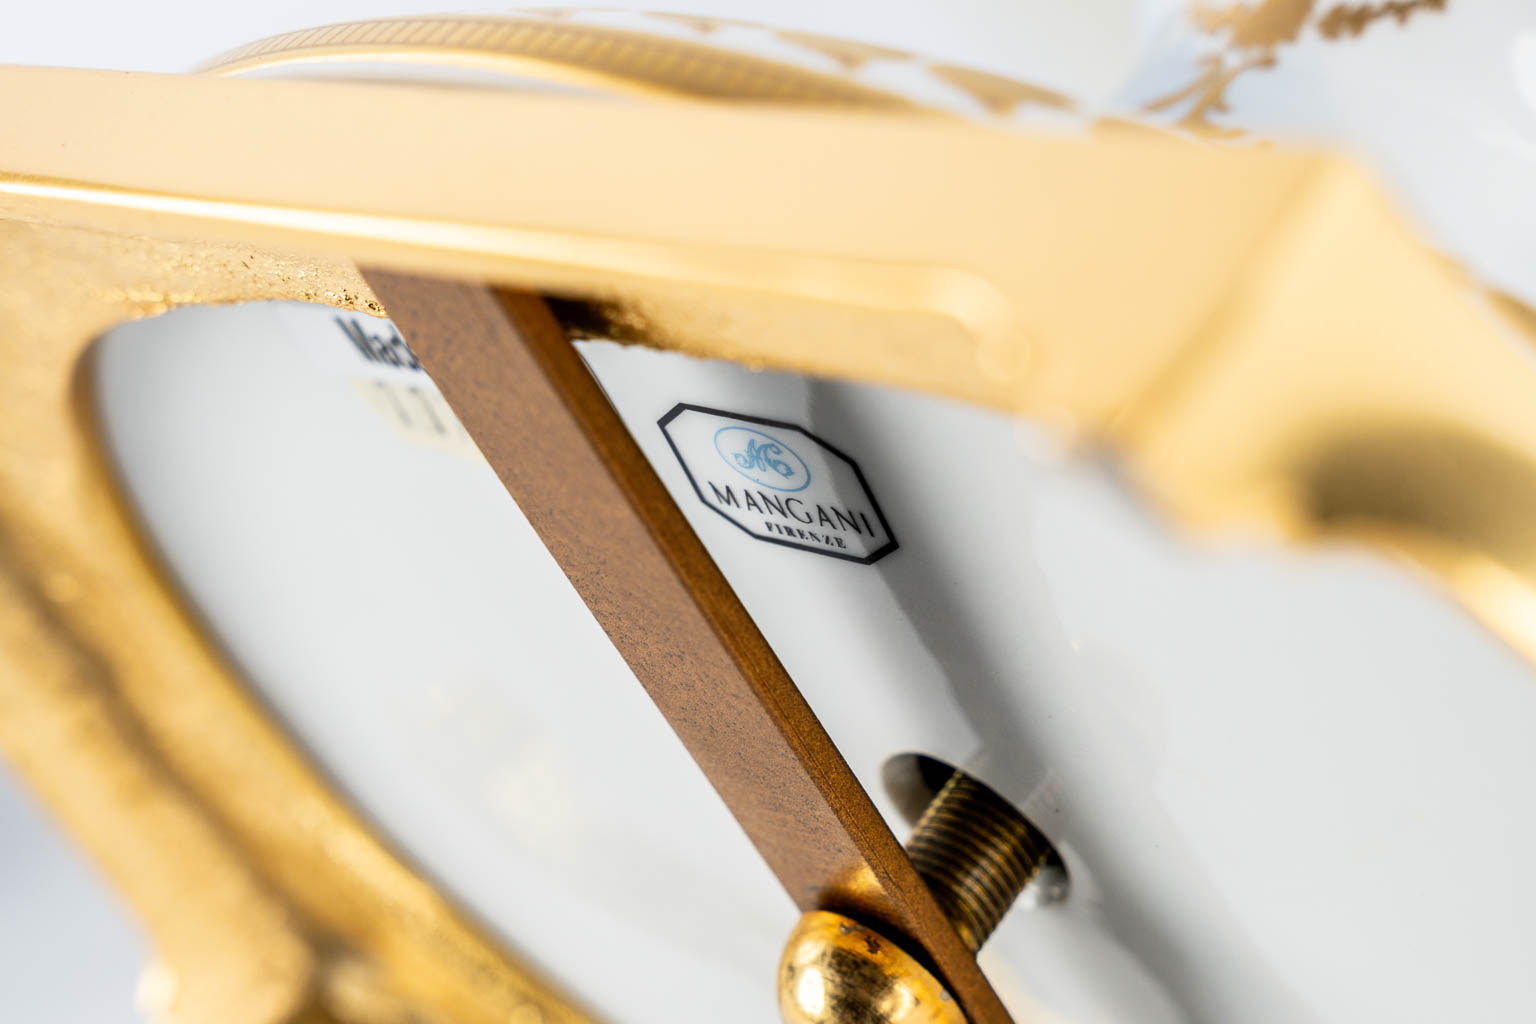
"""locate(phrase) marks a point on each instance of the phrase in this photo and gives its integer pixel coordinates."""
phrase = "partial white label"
(381, 368)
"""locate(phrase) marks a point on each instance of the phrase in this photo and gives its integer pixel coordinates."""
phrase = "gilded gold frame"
(267, 897)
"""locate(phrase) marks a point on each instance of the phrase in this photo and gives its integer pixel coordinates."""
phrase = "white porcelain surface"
(1260, 766)
(1283, 782)
(387, 598)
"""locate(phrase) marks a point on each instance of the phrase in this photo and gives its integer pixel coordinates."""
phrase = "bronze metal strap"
(543, 423)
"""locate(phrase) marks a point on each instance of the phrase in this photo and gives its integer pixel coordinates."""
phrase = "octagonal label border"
(891, 544)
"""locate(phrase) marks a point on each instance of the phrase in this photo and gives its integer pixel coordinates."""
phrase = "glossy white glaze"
(387, 598)
(1259, 765)
(1263, 768)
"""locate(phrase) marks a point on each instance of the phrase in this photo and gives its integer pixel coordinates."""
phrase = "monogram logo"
(762, 458)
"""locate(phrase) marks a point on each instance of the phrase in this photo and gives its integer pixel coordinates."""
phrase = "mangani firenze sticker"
(779, 483)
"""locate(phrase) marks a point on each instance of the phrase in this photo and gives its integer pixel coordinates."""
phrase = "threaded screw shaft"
(977, 854)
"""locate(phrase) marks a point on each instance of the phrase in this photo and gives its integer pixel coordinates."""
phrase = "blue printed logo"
(827, 511)
(763, 459)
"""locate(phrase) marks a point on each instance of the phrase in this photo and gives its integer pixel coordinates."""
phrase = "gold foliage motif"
(1351, 20)
(1254, 32)
(1001, 96)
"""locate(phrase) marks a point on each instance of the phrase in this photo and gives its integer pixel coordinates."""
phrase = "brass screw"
(977, 854)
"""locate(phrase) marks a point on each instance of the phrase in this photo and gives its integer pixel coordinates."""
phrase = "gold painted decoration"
(555, 50)
(1252, 36)
(1001, 96)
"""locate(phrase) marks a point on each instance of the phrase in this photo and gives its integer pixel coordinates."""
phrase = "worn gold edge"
(615, 59)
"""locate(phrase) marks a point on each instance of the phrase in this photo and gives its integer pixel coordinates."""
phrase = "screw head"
(837, 971)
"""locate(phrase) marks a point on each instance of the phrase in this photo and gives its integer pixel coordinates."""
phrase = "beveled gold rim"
(603, 57)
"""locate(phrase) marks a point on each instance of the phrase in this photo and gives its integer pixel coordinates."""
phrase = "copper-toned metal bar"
(544, 425)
